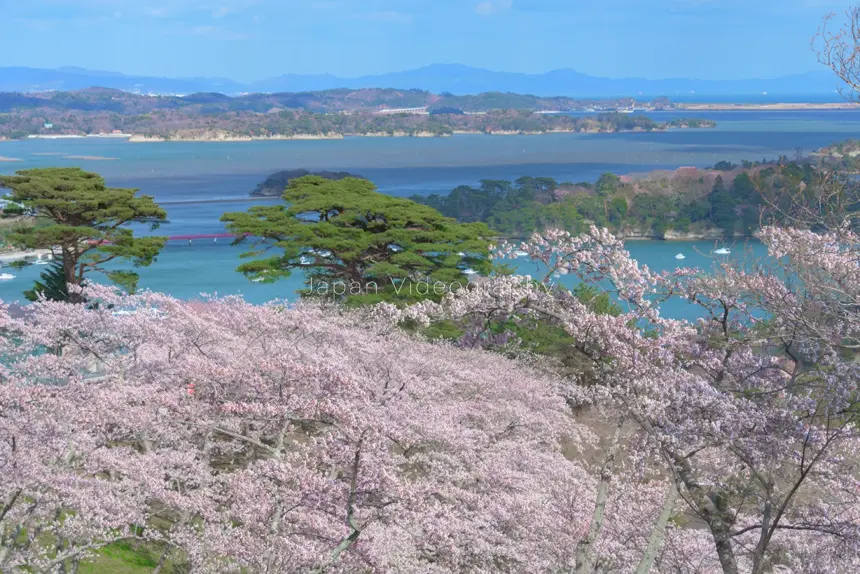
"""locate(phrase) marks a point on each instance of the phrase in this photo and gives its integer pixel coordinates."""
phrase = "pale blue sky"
(253, 39)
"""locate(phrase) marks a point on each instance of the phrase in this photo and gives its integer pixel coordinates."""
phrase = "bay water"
(196, 182)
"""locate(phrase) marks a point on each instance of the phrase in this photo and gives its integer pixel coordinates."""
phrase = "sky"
(248, 40)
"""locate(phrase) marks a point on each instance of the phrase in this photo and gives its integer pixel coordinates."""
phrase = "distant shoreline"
(228, 138)
(139, 138)
(767, 107)
(76, 136)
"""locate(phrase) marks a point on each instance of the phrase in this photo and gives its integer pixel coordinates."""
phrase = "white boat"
(722, 251)
(680, 256)
(521, 254)
(258, 279)
(6, 276)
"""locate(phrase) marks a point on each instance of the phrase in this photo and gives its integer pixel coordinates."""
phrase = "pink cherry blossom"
(309, 438)
(752, 410)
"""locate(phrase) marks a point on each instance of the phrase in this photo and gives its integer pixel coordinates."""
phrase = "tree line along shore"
(298, 124)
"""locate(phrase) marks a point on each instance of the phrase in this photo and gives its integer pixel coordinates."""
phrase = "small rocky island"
(275, 184)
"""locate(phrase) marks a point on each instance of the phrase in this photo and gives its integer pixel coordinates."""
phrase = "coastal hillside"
(843, 155)
(726, 200)
(325, 101)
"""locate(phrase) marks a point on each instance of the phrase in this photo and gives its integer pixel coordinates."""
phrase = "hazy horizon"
(74, 67)
(248, 40)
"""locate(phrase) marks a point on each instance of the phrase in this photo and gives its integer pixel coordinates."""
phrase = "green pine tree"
(51, 284)
(86, 222)
(358, 244)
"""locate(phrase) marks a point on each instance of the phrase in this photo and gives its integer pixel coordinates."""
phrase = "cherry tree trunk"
(658, 533)
(585, 548)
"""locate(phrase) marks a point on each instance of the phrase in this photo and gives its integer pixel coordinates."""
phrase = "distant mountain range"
(437, 78)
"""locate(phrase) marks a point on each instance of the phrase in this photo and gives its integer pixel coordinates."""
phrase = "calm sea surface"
(197, 182)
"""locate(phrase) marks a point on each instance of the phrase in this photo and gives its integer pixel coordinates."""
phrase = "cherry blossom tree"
(312, 439)
(837, 46)
(270, 438)
(275, 439)
(751, 411)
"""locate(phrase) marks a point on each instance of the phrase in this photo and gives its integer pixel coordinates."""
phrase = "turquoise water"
(197, 182)
(660, 256)
(187, 271)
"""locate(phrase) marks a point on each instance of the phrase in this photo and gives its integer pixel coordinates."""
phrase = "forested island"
(332, 114)
(286, 124)
(298, 124)
(726, 200)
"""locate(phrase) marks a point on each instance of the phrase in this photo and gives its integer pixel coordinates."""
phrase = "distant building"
(421, 111)
(48, 125)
